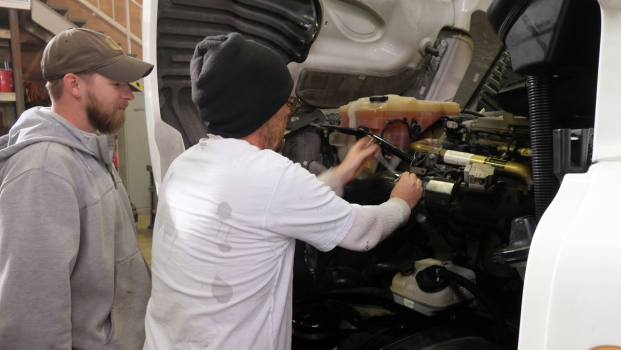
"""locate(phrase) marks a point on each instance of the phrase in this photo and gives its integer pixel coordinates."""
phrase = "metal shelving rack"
(12, 35)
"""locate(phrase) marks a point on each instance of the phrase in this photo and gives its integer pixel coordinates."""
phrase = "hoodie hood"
(40, 124)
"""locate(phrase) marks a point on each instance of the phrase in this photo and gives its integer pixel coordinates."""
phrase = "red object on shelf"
(6, 81)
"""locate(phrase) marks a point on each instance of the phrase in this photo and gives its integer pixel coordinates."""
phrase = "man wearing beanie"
(72, 275)
(231, 208)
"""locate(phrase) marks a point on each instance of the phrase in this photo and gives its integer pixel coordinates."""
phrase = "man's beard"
(273, 133)
(107, 120)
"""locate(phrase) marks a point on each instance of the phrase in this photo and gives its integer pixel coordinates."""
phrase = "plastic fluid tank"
(374, 112)
(406, 292)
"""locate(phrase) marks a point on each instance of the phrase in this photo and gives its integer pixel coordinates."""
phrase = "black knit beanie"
(237, 84)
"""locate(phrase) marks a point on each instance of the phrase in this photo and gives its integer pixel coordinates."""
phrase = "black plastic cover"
(289, 27)
(502, 14)
(550, 36)
(327, 89)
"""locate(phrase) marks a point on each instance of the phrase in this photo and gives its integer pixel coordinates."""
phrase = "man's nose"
(127, 92)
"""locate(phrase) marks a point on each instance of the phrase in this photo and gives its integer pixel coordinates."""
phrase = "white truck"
(516, 243)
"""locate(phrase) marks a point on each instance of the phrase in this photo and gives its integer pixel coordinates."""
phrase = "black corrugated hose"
(542, 110)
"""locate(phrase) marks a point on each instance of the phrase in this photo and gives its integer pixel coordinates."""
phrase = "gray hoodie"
(71, 272)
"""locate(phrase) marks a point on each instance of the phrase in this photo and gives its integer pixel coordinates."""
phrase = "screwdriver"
(380, 158)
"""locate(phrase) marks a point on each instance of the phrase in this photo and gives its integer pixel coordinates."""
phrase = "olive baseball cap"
(78, 50)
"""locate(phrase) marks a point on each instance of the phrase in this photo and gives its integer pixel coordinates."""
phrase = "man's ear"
(74, 85)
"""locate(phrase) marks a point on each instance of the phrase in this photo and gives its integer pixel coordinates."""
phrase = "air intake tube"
(542, 110)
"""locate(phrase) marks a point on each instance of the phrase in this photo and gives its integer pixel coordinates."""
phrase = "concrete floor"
(145, 236)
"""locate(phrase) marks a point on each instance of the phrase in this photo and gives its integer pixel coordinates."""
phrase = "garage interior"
(491, 107)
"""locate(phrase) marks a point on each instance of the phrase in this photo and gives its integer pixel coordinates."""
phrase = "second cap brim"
(126, 70)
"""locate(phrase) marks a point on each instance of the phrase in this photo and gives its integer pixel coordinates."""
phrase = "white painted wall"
(134, 153)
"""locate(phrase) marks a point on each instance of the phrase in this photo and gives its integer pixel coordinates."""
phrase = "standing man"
(71, 273)
(231, 208)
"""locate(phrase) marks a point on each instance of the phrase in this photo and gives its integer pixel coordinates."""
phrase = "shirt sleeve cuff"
(403, 207)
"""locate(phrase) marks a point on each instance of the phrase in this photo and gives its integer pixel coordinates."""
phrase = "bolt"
(432, 50)
(421, 218)
(305, 163)
(432, 156)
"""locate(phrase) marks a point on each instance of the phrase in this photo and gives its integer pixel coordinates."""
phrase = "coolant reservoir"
(374, 112)
(405, 289)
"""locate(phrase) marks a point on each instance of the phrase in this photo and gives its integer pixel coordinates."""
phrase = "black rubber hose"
(507, 335)
(376, 271)
(391, 122)
(542, 110)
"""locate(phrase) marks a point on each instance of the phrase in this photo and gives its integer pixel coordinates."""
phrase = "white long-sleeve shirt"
(223, 244)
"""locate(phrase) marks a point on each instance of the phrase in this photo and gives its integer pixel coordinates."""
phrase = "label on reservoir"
(457, 158)
(409, 303)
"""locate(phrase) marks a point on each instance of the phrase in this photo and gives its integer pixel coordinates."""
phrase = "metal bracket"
(418, 171)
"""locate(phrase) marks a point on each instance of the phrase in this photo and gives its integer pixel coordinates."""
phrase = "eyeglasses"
(293, 104)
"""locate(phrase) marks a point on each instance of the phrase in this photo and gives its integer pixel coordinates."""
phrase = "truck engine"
(477, 215)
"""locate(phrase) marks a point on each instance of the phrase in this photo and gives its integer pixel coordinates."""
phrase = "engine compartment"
(464, 220)
(477, 215)
(488, 177)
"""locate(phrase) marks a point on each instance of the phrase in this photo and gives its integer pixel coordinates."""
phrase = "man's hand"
(357, 157)
(409, 188)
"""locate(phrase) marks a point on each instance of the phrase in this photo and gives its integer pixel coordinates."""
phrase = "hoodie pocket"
(132, 289)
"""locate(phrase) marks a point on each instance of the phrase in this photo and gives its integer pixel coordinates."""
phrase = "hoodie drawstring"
(102, 158)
